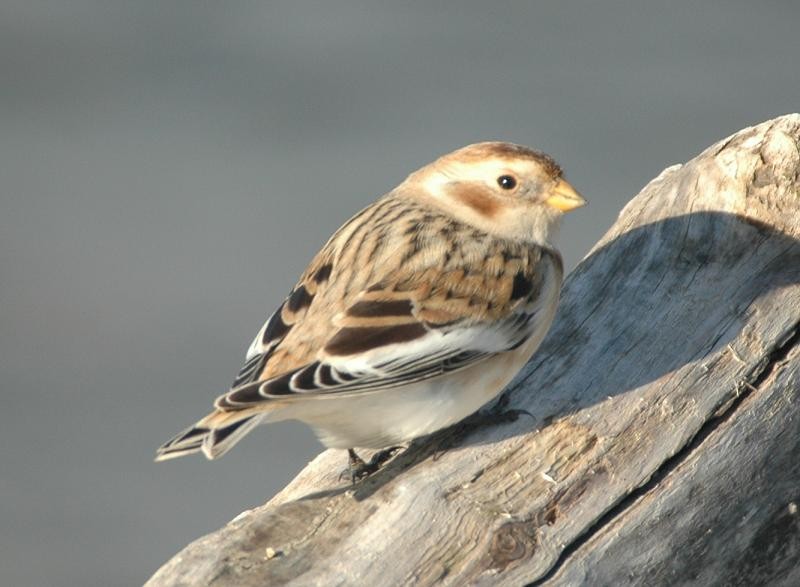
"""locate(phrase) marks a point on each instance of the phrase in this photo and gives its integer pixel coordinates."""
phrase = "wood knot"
(513, 541)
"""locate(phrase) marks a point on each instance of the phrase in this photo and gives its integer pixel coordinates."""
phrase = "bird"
(418, 311)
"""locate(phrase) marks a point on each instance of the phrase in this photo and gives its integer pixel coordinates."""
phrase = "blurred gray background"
(167, 168)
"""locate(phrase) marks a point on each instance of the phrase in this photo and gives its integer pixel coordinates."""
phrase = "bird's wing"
(407, 327)
(289, 316)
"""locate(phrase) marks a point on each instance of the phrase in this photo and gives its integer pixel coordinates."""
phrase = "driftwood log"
(663, 445)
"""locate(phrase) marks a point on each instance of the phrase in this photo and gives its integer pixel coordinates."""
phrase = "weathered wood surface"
(664, 442)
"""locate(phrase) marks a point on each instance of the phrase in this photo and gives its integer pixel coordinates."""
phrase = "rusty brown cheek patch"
(479, 199)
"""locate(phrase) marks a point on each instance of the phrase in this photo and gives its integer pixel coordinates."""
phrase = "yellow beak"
(564, 197)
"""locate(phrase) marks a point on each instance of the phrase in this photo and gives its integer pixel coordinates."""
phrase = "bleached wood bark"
(664, 446)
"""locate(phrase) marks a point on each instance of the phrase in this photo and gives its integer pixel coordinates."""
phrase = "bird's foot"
(358, 468)
(503, 416)
(499, 413)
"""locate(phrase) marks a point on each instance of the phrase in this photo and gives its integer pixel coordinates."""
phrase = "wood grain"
(665, 431)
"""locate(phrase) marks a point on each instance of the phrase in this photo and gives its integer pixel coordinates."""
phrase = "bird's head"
(504, 189)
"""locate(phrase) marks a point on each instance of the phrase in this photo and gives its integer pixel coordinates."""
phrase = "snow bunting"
(417, 311)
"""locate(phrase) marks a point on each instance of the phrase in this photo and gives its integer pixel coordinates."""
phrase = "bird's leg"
(357, 468)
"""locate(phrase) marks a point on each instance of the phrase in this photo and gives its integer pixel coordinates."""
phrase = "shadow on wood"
(665, 426)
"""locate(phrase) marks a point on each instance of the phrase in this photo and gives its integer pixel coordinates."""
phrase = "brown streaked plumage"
(416, 312)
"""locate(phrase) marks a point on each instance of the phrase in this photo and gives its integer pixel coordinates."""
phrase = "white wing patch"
(430, 355)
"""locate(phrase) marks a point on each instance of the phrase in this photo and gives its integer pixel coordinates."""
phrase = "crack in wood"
(759, 374)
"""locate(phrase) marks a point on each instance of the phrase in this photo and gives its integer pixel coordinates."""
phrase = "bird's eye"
(506, 182)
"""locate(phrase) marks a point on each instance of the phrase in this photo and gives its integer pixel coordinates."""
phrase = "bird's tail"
(214, 435)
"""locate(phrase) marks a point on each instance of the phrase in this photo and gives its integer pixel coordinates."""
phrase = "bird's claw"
(358, 468)
(509, 415)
